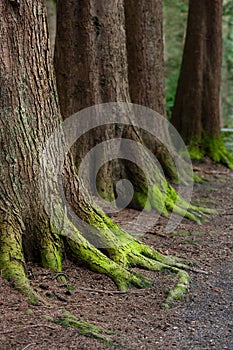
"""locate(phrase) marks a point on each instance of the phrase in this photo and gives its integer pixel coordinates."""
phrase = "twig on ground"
(26, 347)
(213, 172)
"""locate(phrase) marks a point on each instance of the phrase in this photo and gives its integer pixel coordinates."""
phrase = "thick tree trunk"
(35, 219)
(99, 27)
(145, 53)
(144, 35)
(196, 113)
(92, 69)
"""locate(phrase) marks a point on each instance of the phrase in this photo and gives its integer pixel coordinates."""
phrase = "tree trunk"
(90, 70)
(52, 22)
(100, 28)
(196, 113)
(145, 53)
(36, 221)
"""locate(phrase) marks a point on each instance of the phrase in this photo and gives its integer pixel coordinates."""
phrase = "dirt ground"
(203, 321)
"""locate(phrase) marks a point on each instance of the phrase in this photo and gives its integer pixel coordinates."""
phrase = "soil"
(135, 318)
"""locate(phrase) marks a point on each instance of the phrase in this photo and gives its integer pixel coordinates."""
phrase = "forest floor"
(203, 321)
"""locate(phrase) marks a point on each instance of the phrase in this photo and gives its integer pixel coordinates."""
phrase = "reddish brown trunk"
(196, 110)
(91, 68)
(144, 34)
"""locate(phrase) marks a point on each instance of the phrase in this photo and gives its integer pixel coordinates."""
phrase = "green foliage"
(228, 141)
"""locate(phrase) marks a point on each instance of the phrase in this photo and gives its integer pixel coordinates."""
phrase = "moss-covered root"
(179, 290)
(86, 329)
(151, 253)
(167, 200)
(50, 246)
(94, 259)
(213, 147)
(12, 264)
(181, 287)
(137, 254)
(181, 207)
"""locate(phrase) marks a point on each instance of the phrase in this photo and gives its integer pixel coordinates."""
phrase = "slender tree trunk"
(35, 219)
(196, 113)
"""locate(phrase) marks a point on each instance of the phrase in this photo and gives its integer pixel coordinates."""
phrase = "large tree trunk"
(36, 221)
(92, 69)
(144, 35)
(196, 113)
(99, 27)
(145, 53)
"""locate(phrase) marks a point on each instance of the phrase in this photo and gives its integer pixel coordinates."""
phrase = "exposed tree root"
(12, 262)
(165, 199)
(86, 329)
(213, 148)
(118, 251)
(115, 263)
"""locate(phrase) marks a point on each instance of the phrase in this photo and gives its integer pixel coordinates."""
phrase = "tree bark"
(144, 34)
(100, 27)
(99, 76)
(196, 113)
(145, 53)
(29, 116)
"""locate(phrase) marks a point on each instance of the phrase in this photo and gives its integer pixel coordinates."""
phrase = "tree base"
(115, 263)
(213, 148)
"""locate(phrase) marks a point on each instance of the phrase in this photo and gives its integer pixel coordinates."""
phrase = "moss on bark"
(165, 199)
(12, 261)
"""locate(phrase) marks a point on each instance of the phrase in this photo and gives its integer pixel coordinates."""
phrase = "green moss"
(85, 328)
(179, 290)
(217, 151)
(198, 179)
(180, 233)
(210, 146)
(158, 198)
(140, 199)
(195, 150)
(51, 258)
(12, 263)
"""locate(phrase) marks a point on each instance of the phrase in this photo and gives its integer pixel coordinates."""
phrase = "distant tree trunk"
(196, 113)
(52, 22)
(145, 53)
(227, 86)
(29, 115)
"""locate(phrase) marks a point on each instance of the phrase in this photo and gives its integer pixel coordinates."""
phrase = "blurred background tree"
(227, 67)
(175, 20)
